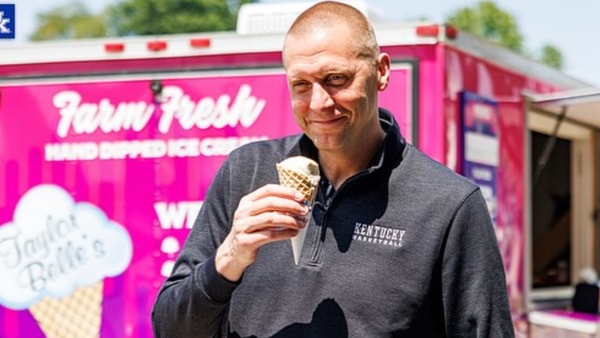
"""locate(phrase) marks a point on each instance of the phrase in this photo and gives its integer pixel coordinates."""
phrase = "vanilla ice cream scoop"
(300, 164)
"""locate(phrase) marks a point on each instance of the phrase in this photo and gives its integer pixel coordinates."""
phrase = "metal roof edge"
(566, 97)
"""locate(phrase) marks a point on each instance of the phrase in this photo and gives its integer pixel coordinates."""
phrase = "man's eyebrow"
(299, 74)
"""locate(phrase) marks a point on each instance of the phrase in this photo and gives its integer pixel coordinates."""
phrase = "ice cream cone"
(302, 174)
(77, 315)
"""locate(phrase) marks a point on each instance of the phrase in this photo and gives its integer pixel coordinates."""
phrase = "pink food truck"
(107, 147)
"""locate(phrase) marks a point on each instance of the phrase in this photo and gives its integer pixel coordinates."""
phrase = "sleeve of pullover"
(194, 298)
(475, 298)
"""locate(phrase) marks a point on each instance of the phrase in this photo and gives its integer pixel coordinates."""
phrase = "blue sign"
(7, 21)
(481, 145)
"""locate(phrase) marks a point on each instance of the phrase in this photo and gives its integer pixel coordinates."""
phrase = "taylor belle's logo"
(378, 234)
(54, 257)
(7, 21)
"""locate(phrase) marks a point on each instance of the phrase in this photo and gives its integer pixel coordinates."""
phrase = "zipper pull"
(328, 195)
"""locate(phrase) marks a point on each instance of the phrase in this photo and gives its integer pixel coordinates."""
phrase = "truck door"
(562, 202)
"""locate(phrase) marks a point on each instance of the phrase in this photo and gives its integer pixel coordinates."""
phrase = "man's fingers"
(259, 238)
(276, 204)
(270, 220)
(273, 190)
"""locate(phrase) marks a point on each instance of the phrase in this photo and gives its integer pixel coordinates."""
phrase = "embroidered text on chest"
(378, 234)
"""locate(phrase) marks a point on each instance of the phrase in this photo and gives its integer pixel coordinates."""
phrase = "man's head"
(335, 70)
(330, 13)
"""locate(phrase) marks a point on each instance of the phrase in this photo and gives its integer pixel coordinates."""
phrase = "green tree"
(492, 23)
(143, 17)
(552, 56)
(486, 20)
(137, 17)
(69, 21)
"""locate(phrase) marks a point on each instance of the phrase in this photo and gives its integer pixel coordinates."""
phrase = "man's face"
(333, 90)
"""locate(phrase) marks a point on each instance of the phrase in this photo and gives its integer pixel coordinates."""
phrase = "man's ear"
(383, 71)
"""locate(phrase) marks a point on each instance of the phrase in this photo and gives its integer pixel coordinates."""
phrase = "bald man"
(397, 245)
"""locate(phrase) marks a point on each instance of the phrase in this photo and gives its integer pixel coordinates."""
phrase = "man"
(396, 246)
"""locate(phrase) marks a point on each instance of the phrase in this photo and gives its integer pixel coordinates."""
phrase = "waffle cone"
(76, 316)
(303, 183)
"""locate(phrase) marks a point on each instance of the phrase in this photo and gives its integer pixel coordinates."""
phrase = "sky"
(573, 26)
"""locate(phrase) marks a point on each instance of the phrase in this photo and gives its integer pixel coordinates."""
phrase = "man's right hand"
(268, 214)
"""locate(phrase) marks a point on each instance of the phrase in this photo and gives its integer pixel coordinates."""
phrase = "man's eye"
(300, 86)
(336, 80)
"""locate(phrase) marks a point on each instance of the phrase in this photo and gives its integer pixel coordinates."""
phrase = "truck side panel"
(103, 180)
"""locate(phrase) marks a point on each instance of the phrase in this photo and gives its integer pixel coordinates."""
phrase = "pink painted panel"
(101, 182)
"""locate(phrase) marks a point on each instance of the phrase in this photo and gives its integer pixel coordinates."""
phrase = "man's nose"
(320, 98)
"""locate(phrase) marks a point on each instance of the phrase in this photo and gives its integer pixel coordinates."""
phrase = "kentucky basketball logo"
(377, 234)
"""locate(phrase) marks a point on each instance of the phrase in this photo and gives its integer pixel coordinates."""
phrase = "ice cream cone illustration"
(302, 174)
(72, 249)
(77, 315)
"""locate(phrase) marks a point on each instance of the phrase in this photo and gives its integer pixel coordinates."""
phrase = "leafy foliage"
(143, 17)
(552, 56)
(492, 23)
(138, 17)
(70, 21)
(486, 20)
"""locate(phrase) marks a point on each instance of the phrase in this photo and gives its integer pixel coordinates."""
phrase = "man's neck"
(338, 166)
